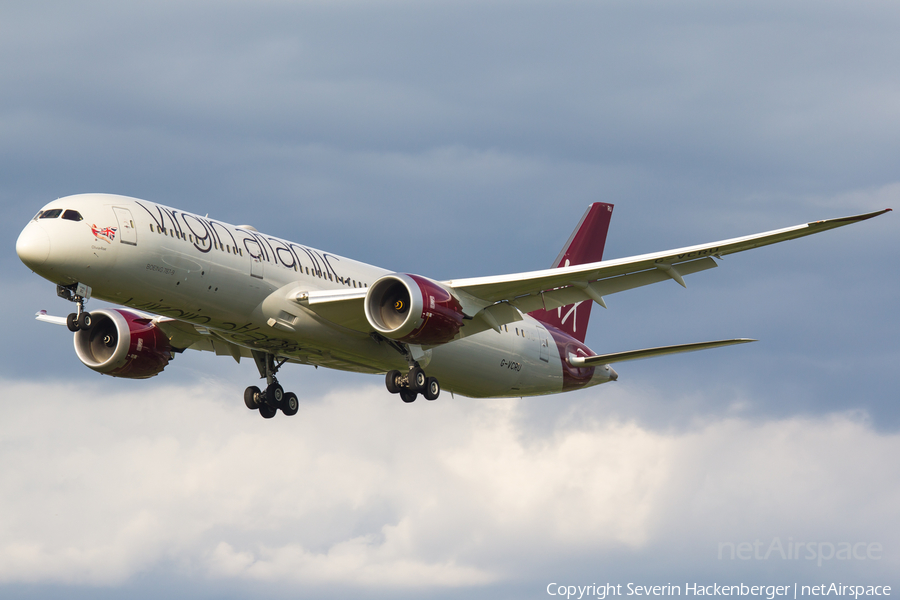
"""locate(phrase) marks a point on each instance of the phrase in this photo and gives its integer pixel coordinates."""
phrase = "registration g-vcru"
(191, 282)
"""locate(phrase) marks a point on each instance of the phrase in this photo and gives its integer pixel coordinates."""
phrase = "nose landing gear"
(273, 398)
(79, 294)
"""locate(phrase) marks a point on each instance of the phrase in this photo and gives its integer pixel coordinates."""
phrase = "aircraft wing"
(181, 334)
(491, 299)
(551, 288)
(187, 336)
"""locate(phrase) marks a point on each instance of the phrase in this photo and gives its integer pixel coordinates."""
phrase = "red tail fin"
(585, 245)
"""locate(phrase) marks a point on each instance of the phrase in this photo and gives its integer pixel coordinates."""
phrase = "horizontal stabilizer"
(617, 357)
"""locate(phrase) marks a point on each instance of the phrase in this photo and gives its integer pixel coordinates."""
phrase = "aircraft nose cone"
(33, 245)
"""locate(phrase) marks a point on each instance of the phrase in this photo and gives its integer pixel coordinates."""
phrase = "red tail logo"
(585, 245)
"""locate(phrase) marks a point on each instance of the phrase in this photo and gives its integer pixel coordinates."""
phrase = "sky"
(457, 139)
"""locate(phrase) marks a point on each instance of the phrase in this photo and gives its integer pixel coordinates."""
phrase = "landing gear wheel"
(274, 394)
(408, 396)
(72, 322)
(391, 381)
(432, 389)
(290, 405)
(84, 321)
(417, 379)
(267, 411)
(251, 397)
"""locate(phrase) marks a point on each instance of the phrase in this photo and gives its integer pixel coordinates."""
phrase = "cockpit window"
(51, 214)
(72, 215)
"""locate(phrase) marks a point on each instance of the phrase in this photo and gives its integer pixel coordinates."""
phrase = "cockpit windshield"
(53, 213)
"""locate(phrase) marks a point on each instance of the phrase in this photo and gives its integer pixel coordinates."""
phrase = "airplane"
(191, 282)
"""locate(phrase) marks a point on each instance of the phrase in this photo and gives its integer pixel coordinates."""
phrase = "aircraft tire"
(417, 379)
(432, 389)
(250, 397)
(266, 411)
(290, 405)
(72, 322)
(275, 394)
(390, 381)
(84, 321)
(408, 396)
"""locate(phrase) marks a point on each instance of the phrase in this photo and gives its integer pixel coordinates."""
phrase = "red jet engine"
(413, 309)
(123, 344)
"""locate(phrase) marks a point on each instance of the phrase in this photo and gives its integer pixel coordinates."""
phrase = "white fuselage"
(235, 282)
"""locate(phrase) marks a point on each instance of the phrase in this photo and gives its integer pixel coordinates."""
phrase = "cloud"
(359, 562)
(362, 492)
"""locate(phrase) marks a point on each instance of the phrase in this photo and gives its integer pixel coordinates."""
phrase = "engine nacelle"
(413, 309)
(123, 344)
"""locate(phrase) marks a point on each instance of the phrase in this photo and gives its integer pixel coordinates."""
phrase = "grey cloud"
(103, 488)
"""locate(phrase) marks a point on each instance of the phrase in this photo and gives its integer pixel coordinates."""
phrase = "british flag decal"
(107, 234)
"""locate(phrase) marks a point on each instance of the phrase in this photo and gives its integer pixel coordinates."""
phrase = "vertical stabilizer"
(585, 245)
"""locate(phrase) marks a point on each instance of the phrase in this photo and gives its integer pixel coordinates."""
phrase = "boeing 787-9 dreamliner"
(191, 282)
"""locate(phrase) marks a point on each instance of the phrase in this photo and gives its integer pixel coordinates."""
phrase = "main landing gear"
(273, 398)
(79, 294)
(411, 384)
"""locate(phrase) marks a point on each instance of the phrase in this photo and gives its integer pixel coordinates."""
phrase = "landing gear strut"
(274, 397)
(412, 384)
(79, 294)
(414, 381)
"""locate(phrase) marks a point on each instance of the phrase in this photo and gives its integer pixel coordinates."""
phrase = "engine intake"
(411, 308)
(123, 344)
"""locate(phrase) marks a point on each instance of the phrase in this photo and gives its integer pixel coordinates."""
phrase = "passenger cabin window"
(72, 215)
(51, 214)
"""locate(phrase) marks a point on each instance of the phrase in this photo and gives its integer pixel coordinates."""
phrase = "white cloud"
(360, 490)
